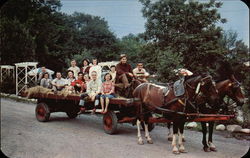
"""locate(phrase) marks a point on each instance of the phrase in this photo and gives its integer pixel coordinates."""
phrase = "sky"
(124, 16)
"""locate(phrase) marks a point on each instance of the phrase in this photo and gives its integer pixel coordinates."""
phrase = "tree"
(188, 28)
(132, 46)
(36, 31)
(93, 34)
(168, 60)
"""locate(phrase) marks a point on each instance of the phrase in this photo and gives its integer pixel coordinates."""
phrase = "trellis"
(23, 80)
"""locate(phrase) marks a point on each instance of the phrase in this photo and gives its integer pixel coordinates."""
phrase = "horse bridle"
(198, 87)
(198, 92)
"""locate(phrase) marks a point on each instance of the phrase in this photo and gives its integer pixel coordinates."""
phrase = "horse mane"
(224, 70)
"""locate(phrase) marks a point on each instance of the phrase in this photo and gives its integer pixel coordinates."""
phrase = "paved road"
(22, 136)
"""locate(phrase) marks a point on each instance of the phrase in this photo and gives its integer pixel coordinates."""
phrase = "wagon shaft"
(198, 118)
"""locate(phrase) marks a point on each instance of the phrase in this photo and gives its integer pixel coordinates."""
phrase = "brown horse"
(157, 99)
(230, 88)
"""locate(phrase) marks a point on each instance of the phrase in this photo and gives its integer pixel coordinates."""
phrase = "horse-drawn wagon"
(121, 110)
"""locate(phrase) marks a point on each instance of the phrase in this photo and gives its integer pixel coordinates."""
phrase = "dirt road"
(23, 136)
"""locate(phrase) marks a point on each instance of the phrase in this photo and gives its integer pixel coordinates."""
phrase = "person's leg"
(81, 103)
(96, 103)
(124, 80)
(102, 102)
(107, 102)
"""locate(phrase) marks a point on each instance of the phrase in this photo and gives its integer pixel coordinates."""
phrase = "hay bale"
(38, 90)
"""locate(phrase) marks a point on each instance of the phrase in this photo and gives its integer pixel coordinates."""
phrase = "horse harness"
(185, 97)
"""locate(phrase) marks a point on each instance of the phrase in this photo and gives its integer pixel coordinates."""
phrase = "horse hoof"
(213, 149)
(182, 151)
(176, 152)
(140, 142)
(150, 141)
(206, 149)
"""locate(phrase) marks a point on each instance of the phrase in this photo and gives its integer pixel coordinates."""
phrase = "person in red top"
(107, 91)
(79, 84)
(124, 72)
(85, 68)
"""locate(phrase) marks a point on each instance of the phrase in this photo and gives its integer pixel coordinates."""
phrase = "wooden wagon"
(121, 110)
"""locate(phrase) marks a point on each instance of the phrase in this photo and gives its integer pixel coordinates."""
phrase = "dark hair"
(80, 73)
(70, 71)
(96, 61)
(106, 75)
(45, 74)
(86, 74)
(86, 60)
(112, 66)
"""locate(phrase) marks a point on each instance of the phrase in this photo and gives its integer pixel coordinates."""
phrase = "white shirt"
(60, 82)
(113, 74)
(140, 73)
(75, 69)
(98, 69)
(94, 87)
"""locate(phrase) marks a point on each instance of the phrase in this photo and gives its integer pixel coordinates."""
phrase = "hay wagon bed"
(121, 110)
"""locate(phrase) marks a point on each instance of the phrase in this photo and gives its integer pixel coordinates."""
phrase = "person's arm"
(50, 76)
(84, 87)
(88, 87)
(146, 74)
(40, 76)
(112, 88)
(118, 69)
(53, 82)
(42, 82)
(130, 69)
(73, 83)
(102, 88)
(134, 72)
(99, 87)
(130, 72)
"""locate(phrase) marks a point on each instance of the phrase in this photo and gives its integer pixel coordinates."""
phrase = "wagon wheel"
(151, 126)
(42, 112)
(110, 122)
(72, 113)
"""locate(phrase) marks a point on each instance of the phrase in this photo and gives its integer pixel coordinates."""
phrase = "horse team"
(202, 95)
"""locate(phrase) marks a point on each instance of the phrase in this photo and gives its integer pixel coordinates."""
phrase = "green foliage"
(17, 43)
(132, 46)
(188, 28)
(8, 85)
(36, 31)
(167, 60)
